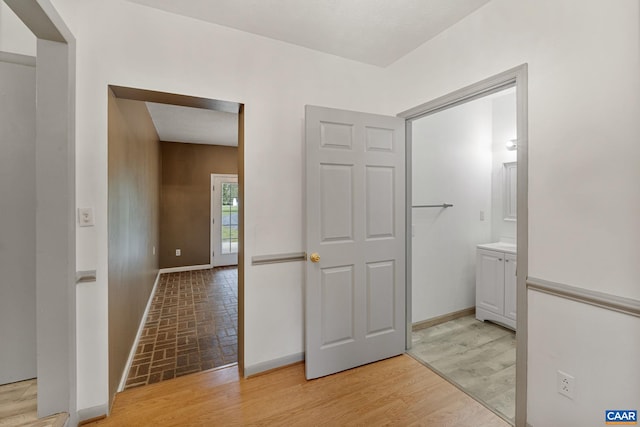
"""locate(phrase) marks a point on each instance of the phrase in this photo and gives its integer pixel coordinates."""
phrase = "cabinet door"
(490, 281)
(510, 286)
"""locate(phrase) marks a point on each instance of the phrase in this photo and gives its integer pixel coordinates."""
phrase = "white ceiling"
(376, 32)
(194, 125)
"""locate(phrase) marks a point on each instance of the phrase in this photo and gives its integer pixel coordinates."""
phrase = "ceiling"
(377, 32)
(194, 125)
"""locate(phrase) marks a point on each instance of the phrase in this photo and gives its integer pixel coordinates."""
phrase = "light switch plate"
(85, 217)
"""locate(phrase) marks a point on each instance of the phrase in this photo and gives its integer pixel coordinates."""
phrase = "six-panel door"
(355, 204)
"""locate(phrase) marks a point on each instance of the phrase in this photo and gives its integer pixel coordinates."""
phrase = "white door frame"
(55, 220)
(514, 77)
(214, 208)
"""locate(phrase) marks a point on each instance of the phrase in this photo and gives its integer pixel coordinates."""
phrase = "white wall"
(584, 203)
(15, 37)
(130, 45)
(17, 228)
(451, 163)
(503, 129)
(584, 102)
(599, 348)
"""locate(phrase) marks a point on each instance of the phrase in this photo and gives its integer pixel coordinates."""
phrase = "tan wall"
(185, 200)
(134, 193)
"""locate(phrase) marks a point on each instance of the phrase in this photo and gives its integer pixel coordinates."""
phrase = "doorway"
(224, 220)
(48, 282)
(162, 152)
(461, 210)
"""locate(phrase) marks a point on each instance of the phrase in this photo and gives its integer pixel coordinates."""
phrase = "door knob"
(314, 257)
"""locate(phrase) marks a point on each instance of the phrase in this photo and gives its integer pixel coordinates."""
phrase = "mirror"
(510, 174)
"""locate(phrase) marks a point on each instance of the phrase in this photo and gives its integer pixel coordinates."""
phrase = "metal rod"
(443, 205)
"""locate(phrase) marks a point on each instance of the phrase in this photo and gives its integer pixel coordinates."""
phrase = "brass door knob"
(314, 257)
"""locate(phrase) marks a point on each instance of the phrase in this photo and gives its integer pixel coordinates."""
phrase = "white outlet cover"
(85, 217)
(566, 384)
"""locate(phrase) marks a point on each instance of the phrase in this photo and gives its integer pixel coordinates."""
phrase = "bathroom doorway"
(463, 242)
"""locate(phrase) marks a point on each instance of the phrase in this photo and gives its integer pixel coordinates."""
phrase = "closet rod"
(443, 205)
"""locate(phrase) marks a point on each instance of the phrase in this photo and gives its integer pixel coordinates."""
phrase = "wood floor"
(18, 407)
(397, 391)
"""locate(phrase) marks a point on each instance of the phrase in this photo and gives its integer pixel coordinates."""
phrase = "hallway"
(191, 326)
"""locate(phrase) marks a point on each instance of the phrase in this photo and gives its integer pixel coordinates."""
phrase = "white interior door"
(355, 190)
(224, 220)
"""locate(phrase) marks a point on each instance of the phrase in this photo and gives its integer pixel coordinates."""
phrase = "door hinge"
(213, 221)
(213, 253)
(213, 188)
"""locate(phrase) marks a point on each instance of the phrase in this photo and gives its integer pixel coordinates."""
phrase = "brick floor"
(191, 326)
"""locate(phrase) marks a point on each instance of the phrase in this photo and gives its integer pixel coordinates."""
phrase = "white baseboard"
(185, 268)
(273, 364)
(132, 352)
(93, 412)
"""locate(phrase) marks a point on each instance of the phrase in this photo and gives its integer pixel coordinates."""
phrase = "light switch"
(85, 217)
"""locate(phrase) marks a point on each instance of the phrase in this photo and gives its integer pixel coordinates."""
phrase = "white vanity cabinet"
(496, 283)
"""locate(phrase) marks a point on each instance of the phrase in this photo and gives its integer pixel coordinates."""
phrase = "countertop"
(508, 248)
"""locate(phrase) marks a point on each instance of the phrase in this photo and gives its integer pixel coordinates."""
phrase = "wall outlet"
(481, 215)
(178, 252)
(154, 250)
(566, 384)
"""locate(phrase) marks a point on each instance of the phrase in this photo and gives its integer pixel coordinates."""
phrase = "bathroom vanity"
(496, 283)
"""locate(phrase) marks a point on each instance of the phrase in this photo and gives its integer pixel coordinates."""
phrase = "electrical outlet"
(566, 384)
(481, 215)
(178, 252)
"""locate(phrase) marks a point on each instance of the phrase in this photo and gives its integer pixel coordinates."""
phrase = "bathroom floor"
(479, 357)
(191, 326)
(18, 402)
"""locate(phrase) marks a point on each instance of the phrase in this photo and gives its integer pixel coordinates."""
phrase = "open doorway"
(37, 127)
(163, 149)
(468, 154)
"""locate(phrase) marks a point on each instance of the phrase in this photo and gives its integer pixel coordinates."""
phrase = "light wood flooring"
(397, 391)
(18, 407)
(480, 357)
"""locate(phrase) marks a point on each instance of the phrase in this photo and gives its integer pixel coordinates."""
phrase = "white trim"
(277, 258)
(273, 364)
(92, 412)
(132, 352)
(185, 268)
(611, 302)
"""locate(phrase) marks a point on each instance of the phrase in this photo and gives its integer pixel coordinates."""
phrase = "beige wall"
(185, 199)
(134, 177)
